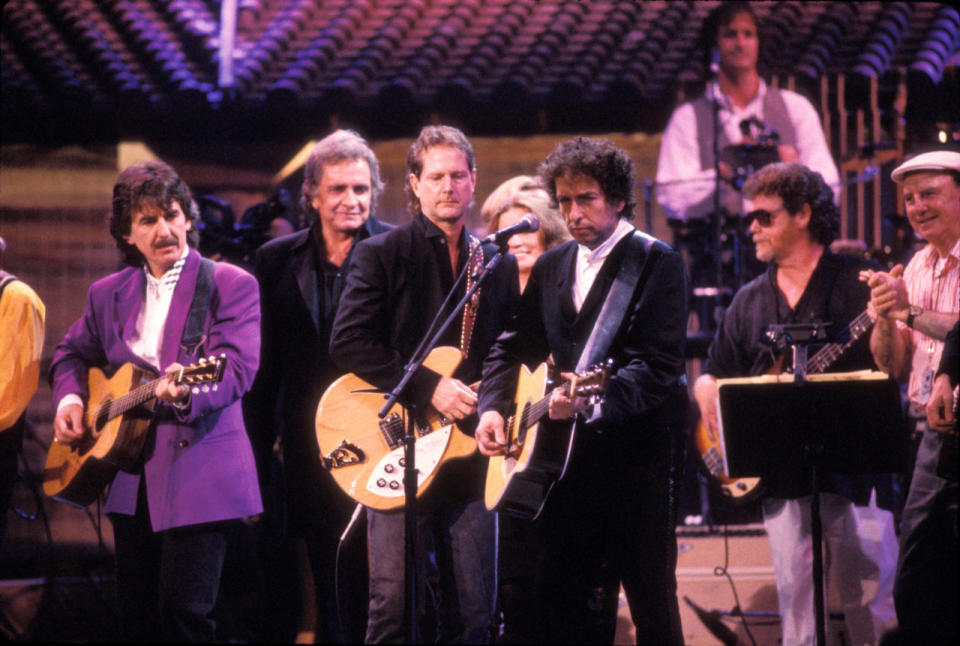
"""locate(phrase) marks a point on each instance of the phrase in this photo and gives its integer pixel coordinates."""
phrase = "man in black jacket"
(395, 287)
(301, 278)
(611, 516)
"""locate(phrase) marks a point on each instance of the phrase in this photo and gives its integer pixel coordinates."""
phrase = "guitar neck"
(136, 397)
(829, 353)
(537, 410)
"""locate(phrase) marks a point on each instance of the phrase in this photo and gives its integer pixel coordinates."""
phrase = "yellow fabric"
(21, 341)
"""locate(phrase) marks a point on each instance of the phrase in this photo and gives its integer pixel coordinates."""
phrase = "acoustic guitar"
(745, 489)
(519, 482)
(115, 422)
(364, 453)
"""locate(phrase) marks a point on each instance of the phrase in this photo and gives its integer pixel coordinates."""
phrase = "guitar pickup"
(343, 456)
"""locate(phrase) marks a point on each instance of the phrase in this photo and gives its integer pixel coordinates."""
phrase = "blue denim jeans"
(461, 541)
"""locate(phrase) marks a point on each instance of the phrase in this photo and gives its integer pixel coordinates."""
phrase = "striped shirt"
(933, 284)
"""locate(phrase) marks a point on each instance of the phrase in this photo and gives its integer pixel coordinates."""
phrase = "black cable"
(721, 570)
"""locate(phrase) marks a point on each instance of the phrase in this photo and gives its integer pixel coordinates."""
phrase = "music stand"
(836, 423)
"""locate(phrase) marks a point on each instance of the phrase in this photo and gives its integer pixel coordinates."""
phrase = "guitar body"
(519, 485)
(364, 453)
(737, 489)
(77, 474)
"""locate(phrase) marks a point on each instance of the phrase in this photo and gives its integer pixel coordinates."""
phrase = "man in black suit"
(395, 286)
(301, 278)
(610, 518)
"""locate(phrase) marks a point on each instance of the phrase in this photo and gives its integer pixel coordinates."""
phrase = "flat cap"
(936, 161)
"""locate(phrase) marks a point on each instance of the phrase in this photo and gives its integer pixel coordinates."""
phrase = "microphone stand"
(427, 344)
(718, 182)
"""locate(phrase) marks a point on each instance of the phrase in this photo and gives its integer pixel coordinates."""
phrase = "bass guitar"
(115, 424)
(364, 453)
(518, 483)
(745, 489)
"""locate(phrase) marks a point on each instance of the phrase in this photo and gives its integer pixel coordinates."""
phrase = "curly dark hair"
(342, 145)
(152, 183)
(600, 159)
(797, 185)
(429, 137)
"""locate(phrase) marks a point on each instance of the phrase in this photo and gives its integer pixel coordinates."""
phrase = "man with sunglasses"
(794, 222)
(916, 308)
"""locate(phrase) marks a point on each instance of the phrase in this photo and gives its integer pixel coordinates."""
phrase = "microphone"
(527, 224)
(714, 63)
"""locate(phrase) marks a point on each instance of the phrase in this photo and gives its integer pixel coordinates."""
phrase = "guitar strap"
(474, 267)
(193, 334)
(642, 249)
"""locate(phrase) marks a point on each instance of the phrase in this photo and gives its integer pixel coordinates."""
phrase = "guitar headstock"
(200, 375)
(593, 381)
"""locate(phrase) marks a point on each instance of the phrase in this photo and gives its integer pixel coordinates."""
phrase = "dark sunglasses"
(763, 216)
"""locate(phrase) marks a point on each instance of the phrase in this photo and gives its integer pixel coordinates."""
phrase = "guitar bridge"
(343, 456)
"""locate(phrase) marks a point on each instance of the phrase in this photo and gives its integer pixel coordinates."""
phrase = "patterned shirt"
(933, 284)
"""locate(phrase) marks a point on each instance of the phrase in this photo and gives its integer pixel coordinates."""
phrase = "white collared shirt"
(148, 334)
(590, 261)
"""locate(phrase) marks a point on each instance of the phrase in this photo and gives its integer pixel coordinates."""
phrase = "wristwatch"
(912, 312)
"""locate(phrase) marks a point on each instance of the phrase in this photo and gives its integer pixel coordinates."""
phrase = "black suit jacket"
(295, 367)
(395, 286)
(647, 389)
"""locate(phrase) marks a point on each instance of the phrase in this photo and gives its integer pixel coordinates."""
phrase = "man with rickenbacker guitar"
(611, 293)
(192, 479)
(792, 225)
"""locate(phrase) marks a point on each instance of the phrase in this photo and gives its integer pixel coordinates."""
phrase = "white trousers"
(860, 547)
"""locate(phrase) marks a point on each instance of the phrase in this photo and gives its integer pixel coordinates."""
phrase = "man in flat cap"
(915, 308)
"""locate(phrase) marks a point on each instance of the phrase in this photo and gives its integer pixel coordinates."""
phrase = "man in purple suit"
(173, 513)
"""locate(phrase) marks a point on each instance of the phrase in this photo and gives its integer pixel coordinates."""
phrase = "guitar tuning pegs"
(215, 387)
(205, 388)
(202, 361)
(195, 390)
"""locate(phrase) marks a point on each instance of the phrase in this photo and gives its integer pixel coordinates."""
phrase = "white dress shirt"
(590, 261)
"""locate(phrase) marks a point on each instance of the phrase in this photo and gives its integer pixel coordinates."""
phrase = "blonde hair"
(553, 229)
(504, 193)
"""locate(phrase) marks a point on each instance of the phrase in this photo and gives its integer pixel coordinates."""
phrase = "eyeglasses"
(763, 216)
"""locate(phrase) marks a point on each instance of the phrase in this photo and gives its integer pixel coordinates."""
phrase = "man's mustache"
(172, 241)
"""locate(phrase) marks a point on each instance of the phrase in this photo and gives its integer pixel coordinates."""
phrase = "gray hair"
(342, 145)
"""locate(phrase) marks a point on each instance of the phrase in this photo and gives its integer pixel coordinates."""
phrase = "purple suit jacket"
(198, 465)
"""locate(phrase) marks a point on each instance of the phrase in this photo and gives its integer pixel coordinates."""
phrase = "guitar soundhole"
(522, 432)
(103, 416)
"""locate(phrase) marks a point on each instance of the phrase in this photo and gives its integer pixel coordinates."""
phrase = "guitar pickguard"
(386, 479)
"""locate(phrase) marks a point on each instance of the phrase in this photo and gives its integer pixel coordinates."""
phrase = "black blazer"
(647, 389)
(295, 367)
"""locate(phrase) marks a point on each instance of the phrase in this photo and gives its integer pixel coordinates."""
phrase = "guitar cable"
(721, 570)
(336, 566)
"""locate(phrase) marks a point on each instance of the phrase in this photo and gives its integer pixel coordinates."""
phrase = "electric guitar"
(518, 483)
(745, 489)
(115, 422)
(364, 453)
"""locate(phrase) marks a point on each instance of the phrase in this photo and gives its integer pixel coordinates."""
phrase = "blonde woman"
(527, 247)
